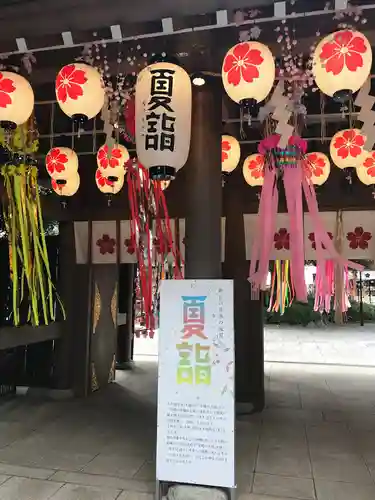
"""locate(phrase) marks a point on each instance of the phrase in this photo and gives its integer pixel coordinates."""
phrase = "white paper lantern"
(61, 163)
(253, 170)
(342, 62)
(317, 168)
(112, 163)
(346, 148)
(108, 186)
(66, 187)
(16, 99)
(230, 153)
(248, 71)
(80, 91)
(163, 100)
(366, 171)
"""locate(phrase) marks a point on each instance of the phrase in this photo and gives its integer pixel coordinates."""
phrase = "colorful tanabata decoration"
(288, 164)
(151, 238)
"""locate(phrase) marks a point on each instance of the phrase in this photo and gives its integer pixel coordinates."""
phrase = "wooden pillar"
(125, 329)
(248, 314)
(203, 184)
(74, 285)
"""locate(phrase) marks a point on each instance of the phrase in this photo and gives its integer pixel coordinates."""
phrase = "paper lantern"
(253, 170)
(112, 163)
(230, 153)
(346, 148)
(16, 99)
(108, 185)
(66, 187)
(61, 163)
(342, 63)
(317, 168)
(163, 99)
(366, 171)
(248, 72)
(80, 91)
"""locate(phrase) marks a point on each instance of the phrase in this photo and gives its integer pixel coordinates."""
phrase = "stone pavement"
(314, 441)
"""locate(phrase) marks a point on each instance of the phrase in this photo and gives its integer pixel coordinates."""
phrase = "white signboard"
(195, 442)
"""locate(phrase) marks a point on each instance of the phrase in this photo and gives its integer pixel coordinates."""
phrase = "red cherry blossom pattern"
(359, 238)
(106, 160)
(55, 161)
(349, 143)
(102, 180)
(106, 244)
(225, 148)
(313, 242)
(69, 83)
(314, 166)
(256, 167)
(6, 88)
(242, 64)
(282, 239)
(369, 163)
(343, 51)
(130, 246)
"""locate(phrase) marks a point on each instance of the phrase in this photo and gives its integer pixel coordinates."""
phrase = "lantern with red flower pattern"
(66, 187)
(248, 73)
(253, 170)
(112, 162)
(16, 100)
(80, 91)
(366, 171)
(61, 163)
(230, 153)
(347, 148)
(317, 168)
(342, 63)
(108, 184)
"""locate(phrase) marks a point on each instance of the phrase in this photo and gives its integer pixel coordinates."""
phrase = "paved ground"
(315, 440)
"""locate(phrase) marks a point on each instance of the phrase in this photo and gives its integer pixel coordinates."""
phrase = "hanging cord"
(323, 123)
(52, 125)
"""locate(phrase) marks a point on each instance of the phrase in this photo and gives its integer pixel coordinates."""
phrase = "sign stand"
(196, 404)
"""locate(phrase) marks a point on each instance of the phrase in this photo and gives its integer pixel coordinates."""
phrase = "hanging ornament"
(253, 170)
(347, 148)
(16, 100)
(230, 153)
(109, 185)
(66, 187)
(61, 163)
(163, 184)
(366, 170)
(111, 162)
(80, 91)
(248, 73)
(163, 100)
(317, 168)
(342, 63)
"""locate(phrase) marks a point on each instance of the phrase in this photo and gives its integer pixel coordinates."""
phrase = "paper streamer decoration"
(365, 101)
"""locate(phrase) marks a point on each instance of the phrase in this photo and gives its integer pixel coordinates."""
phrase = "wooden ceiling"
(200, 38)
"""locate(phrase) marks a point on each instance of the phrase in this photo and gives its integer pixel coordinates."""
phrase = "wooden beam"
(11, 337)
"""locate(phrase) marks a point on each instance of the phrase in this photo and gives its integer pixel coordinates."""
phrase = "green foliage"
(303, 314)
